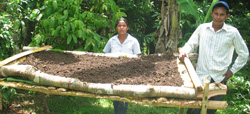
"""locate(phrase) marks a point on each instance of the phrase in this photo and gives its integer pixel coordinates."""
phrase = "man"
(216, 41)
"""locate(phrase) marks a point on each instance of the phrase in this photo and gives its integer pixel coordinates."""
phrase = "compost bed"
(145, 70)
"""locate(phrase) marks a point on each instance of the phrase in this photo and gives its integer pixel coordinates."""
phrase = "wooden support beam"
(193, 75)
(20, 55)
(1, 100)
(205, 96)
(160, 101)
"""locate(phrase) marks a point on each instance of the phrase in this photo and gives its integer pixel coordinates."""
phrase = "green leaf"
(84, 34)
(66, 26)
(74, 38)
(54, 4)
(62, 32)
(83, 15)
(190, 7)
(73, 26)
(79, 33)
(66, 13)
(69, 39)
(57, 31)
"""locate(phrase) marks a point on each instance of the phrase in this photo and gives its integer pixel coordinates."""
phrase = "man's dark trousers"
(209, 111)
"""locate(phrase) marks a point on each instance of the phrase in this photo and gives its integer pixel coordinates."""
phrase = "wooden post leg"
(181, 111)
(1, 99)
(205, 96)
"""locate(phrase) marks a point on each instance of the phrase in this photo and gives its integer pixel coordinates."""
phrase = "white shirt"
(129, 46)
(216, 50)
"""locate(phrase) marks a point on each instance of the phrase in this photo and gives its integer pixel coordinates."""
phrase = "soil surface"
(145, 70)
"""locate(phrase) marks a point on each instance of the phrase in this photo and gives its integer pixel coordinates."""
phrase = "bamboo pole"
(20, 55)
(1, 100)
(205, 96)
(161, 101)
(193, 75)
(27, 72)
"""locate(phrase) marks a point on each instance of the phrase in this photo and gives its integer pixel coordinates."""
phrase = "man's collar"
(224, 27)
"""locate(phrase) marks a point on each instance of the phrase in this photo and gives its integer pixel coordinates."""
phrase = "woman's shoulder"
(130, 37)
(114, 37)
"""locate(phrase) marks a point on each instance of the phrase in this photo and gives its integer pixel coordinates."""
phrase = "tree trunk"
(161, 101)
(169, 32)
(27, 72)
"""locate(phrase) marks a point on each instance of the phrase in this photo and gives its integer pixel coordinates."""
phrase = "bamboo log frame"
(162, 101)
(193, 75)
(17, 56)
(138, 94)
(27, 72)
(205, 96)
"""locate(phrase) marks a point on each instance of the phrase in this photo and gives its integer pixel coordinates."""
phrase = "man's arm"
(189, 47)
(242, 51)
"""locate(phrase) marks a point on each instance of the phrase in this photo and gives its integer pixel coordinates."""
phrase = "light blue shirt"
(129, 46)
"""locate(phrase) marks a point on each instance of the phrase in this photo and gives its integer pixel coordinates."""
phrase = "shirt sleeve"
(136, 47)
(192, 43)
(242, 51)
(107, 48)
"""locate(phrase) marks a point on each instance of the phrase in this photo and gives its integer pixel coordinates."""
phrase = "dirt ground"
(145, 70)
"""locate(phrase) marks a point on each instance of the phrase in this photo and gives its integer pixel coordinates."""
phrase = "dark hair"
(121, 19)
(221, 5)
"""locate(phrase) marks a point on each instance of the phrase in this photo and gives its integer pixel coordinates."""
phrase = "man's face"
(219, 15)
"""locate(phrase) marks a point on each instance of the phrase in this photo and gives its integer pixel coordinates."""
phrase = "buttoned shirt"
(216, 50)
(129, 46)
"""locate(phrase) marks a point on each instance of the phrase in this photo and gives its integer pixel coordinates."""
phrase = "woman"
(122, 43)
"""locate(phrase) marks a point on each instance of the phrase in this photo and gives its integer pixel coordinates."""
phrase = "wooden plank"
(20, 55)
(1, 100)
(193, 75)
(205, 96)
(184, 74)
(214, 90)
(161, 101)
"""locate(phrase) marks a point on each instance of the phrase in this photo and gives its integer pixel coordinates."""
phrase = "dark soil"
(146, 70)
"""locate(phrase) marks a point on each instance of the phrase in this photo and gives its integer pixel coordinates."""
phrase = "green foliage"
(8, 94)
(189, 7)
(6, 41)
(81, 105)
(77, 25)
(19, 79)
(238, 95)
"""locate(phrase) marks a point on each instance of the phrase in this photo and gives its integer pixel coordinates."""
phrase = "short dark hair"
(121, 19)
(221, 5)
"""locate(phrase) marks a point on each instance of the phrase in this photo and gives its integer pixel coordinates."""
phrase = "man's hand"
(182, 56)
(228, 74)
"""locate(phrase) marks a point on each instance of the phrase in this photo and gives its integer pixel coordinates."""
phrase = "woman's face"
(122, 28)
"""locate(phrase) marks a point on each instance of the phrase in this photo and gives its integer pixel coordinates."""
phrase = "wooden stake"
(205, 96)
(1, 100)
(193, 75)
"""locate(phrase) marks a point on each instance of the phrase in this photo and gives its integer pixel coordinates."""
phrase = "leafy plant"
(77, 25)
(6, 41)
(238, 95)
(8, 94)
